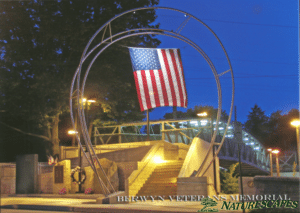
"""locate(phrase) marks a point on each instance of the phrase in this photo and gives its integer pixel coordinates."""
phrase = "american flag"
(159, 78)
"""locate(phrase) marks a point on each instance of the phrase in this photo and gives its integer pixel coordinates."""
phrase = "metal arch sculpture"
(80, 86)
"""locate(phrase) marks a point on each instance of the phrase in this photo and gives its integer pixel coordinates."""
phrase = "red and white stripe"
(165, 87)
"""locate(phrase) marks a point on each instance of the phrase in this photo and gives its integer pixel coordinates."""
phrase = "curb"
(93, 209)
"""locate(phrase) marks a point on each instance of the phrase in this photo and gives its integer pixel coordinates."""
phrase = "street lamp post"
(86, 104)
(276, 151)
(271, 162)
(73, 132)
(296, 123)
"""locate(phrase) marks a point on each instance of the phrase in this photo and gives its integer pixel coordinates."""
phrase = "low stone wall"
(111, 170)
(45, 178)
(67, 152)
(65, 181)
(192, 186)
(8, 178)
(248, 186)
(123, 155)
(266, 185)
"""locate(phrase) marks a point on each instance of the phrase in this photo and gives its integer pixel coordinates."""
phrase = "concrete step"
(163, 180)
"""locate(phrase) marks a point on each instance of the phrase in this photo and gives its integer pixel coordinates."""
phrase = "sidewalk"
(87, 203)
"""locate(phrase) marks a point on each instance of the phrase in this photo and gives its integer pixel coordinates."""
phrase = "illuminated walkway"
(254, 157)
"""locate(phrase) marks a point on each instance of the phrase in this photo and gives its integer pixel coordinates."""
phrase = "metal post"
(163, 130)
(148, 126)
(214, 166)
(239, 139)
(119, 133)
(79, 172)
(271, 164)
(95, 138)
(176, 124)
(241, 179)
(213, 150)
(74, 136)
(277, 166)
(298, 148)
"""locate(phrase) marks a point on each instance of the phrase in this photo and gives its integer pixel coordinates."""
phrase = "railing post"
(95, 138)
(163, 130)
(119, 133)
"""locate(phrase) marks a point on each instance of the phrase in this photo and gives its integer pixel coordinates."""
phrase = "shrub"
(229, 183)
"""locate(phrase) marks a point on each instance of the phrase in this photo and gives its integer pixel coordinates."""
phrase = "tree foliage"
(257, 123)
(42, 42)
(274, 131)
(230, 180)
(192, 113)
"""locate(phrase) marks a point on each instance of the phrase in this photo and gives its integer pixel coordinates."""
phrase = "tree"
(230, 180)
(257, 123)
(280, 132)
(274, 131)
(192, 113)
(42, 42)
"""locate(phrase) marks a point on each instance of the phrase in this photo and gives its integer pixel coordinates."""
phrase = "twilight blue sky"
(261, 39)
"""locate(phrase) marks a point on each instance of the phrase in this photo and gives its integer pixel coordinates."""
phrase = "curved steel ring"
(171, 34)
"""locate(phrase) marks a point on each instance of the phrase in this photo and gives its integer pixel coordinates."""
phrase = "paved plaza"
(88, 204)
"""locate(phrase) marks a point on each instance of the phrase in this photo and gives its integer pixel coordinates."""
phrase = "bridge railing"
(181, 131)
(248, 154)
(177, 131)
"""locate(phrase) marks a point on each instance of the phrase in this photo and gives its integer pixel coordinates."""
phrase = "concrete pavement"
(87, 203)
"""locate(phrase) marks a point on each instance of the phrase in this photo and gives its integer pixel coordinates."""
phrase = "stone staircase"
(163, 180)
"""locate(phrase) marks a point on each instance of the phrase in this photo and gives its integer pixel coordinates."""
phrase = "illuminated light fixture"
(221, 128)
(72, 132)
(295, 123)
(214, 123)
(158, 159)
(84, 100)
(202, 114)
(252, 143)
(269, 150)
(256, 148)
(230, 127)
(246, 139)
(275, 151)
(247, 143)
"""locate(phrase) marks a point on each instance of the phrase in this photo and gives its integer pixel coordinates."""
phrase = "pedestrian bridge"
(254, 157)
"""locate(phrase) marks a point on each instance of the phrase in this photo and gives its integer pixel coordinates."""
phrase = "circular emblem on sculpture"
(83, 175)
